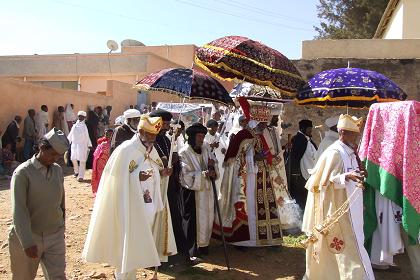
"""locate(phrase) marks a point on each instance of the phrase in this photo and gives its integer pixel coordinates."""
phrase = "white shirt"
(329, 139)
(308, 159)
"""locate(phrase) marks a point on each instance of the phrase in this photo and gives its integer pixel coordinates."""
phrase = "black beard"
(197, 150)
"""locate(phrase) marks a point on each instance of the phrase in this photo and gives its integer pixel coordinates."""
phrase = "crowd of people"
(155, 176)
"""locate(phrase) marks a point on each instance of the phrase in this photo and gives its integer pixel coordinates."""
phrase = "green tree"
(349, 19)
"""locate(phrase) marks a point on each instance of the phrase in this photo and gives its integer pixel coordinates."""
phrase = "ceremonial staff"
(219, 216)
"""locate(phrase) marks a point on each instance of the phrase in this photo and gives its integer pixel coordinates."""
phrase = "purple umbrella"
(349, 87)
(187, 83)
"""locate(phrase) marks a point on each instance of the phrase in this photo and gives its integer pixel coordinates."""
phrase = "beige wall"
(361, 49)
(411, 29)
(394, 28)
(92, 70)
(180, 54)
(18, 96)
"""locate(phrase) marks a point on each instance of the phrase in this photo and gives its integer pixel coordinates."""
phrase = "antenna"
(112, 45)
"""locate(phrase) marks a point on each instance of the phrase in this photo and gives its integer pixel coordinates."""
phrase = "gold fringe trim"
(149, 88)
(345, 98)
(222, 65)
(229, 53)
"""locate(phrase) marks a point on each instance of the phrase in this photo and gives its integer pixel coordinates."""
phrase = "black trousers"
(298, 190)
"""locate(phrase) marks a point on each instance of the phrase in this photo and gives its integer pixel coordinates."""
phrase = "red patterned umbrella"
(235, 57)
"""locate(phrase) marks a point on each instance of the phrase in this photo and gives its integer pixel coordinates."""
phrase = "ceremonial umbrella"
(186, 83)
(191, 84)
(259, 93)
(349, 87)
(240, 58)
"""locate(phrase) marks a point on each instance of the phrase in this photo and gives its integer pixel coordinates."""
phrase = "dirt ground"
(287, 262)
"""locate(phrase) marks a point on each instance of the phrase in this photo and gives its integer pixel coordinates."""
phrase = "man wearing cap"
(335, 248)
(199, 167)
(37, 234)
(302, 158)
(80, 145)
(129, 191)
(127, 130)
(331, 135)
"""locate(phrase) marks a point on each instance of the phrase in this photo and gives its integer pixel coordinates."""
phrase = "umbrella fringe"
(148, 88)
(344, 98)
(226, 52)
(222, 65)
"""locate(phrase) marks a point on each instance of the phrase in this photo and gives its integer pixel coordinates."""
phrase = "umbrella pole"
(289, 162)
(173, 134)
(219, 216)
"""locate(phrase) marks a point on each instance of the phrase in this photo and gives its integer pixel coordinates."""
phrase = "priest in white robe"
(251, 192)
(386, 239)
(331, 135)
(333, 217)
(213, 139)
(199, 167)
(80, 145)
(128, 198)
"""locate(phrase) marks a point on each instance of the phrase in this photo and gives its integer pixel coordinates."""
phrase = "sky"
(84, 26)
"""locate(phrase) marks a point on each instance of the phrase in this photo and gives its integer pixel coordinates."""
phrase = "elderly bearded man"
(335, 245)
(199, 167)
(128, 199)
(127, 130)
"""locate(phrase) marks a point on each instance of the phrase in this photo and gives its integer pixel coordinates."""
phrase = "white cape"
(80, 141)
(119, 233)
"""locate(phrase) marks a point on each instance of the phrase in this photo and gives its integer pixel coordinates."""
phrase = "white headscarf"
(69, 115)
(236, 126)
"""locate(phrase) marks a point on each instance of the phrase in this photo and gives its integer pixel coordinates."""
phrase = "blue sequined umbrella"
(186, 83)
(349, 87)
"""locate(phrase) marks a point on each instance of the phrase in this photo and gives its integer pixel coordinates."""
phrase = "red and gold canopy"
(240, 58)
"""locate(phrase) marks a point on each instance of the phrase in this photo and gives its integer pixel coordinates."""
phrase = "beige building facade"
(400, 20)
(84, 79)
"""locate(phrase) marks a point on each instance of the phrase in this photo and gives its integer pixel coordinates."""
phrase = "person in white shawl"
(80, 145)
(42, 121)
(69, 115)
(199, 167)
(128, 199)
(213, 140)
(331, 135)
(333, 218)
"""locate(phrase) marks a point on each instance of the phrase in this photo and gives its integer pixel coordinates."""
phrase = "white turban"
(132, 113)
(81, 113)
(330, 122)
(119, 120)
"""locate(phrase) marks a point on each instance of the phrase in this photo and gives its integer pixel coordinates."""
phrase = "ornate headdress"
(150, 124)
(350, 123)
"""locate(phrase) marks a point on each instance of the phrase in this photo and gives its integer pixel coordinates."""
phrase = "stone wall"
(404, 72)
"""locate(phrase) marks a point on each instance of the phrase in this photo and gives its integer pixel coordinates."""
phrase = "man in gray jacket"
(37, 235)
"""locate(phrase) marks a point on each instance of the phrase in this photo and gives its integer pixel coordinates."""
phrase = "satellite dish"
(131, 43)
(112, 45)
